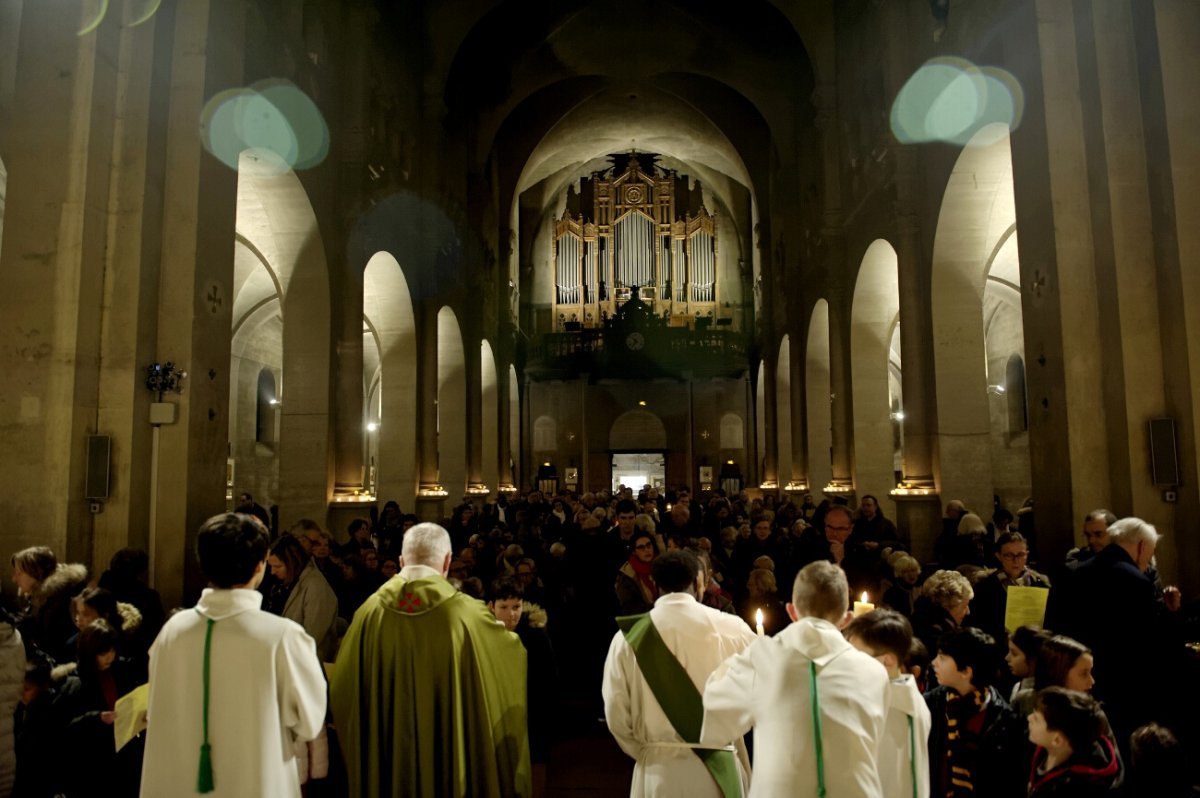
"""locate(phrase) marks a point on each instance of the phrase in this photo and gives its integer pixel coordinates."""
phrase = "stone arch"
(489, 449)
(276, 222)
(391, 324)
(874, 314)
(783, 412)
(1004, 341)
(977, 212)
(452, 405)
(817, 386)
(638, 430)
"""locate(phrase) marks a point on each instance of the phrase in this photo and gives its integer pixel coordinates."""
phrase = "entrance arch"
(276, 226)
(389, 317)
(976, 223)
(637, 430)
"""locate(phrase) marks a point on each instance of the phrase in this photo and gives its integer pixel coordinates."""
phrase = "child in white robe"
(904, 750)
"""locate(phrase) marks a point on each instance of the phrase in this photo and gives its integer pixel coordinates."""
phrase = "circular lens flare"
(274, 120)
(949, 99)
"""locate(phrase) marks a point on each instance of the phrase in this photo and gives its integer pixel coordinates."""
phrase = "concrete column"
(503, 425)
(839, 384)
(472, 360)
(129, 327)
(58, 147)
(348, 432)
(430, 495)
(916, 333)
(799, 411)
(1176, 25)
(1062, 318)
(1128, 255)
(196, 287)
(427, 392)
(770, 475)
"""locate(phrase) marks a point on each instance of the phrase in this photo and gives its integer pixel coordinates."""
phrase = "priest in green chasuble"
(428, 693)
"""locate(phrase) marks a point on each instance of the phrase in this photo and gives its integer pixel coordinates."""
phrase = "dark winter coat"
(1095, 774)
(995, 753)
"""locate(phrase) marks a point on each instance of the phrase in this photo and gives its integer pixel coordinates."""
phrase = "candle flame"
(758, 617)
(864, 598)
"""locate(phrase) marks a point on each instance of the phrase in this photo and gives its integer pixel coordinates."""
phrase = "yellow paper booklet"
(130, 717)
(1026, 606)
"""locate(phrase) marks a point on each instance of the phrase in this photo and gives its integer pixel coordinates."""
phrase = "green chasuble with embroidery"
(428, 696)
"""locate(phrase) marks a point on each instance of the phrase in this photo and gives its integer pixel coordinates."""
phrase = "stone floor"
(586, 763)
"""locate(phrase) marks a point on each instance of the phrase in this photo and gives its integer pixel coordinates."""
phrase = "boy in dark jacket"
(1075, 757)
(976, 740)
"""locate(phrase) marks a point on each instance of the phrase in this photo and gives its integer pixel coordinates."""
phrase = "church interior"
(334, 253)
(421, 251)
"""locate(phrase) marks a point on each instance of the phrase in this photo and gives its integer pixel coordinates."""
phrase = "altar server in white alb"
(232, 688)
(904, 755)
(656, 669)
(817, 704)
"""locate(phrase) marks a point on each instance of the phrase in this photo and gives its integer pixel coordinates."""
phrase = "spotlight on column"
(372, 426)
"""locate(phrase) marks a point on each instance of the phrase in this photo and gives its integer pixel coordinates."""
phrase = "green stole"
(677, 695)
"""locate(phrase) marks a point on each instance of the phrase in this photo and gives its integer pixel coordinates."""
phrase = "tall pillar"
(1175, 157)
(195, 290)
(349, 437)
(839, 384)
(799, 411)
(504, 425)
(770, 475)
(128, 335)
(1062, 317)
(430, 494)
(59, 143)
(1131, 259)
(473, 363)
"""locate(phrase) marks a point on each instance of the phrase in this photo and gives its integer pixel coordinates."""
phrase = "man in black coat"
(1113, 609)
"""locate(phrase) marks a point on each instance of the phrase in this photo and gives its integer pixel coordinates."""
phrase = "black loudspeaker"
(1164, 461)
(573, 326)
(99, 450)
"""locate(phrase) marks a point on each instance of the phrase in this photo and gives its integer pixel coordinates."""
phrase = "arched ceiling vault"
(750, 55)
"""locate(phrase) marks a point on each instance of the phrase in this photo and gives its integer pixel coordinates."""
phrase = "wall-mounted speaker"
(1164, 460)
(99, 451)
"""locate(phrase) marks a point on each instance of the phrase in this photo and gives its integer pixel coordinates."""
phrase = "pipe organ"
(630, 232)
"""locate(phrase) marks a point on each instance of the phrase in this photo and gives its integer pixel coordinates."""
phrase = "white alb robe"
(767, 688)
(701, 638)
(895, 753)
(266, 691)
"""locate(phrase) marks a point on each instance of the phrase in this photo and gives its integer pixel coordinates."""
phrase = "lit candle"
(758, 622)
(862, 607)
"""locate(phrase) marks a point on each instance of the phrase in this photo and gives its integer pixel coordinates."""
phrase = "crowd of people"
(748, 601)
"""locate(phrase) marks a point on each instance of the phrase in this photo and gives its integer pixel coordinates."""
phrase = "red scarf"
(642, 569)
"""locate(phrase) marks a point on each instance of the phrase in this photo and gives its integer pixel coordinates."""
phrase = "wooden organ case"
(631, 232)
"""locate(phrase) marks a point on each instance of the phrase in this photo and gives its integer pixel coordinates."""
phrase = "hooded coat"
(428, 695)
(1094, 774)
(50, 624)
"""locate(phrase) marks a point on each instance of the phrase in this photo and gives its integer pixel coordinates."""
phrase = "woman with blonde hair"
(942, 606)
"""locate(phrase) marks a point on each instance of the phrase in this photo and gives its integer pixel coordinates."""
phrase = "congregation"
(735, 645)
